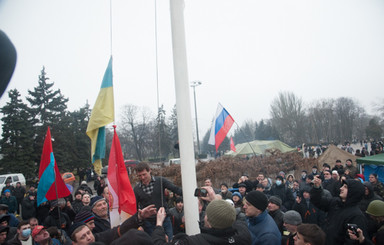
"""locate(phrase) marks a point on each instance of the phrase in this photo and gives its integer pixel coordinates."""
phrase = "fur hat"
(220, 214)
(257, 199)
(292, 217)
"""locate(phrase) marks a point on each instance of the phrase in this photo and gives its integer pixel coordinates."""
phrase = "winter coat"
(177, 220)
(341, 213)
(19, 193)
(278, 217)
(77, 205)
(11, 202)
(284, 194)
(28, 208)
(237, 234)
(53, 220)
(263, 230)
(101, 225)
(309, 213)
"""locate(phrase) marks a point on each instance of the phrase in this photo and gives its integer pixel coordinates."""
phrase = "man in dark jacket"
(285, 194)
(220, 227)
(19, 192)
(28, 206)
(274, 204)
(341, 210)
(150, 190)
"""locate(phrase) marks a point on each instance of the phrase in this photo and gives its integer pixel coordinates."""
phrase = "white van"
(14, 178)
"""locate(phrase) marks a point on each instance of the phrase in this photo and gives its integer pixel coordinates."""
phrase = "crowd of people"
(328, 206)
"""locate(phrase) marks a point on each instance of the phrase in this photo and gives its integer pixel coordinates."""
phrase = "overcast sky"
(244, 52)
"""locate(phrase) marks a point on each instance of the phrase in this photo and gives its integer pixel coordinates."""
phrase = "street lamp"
(194, 84)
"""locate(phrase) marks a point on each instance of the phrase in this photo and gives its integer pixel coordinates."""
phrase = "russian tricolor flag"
(220, 126)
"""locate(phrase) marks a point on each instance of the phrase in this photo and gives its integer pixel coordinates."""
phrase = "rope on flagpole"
(110, 23)
(158, 100)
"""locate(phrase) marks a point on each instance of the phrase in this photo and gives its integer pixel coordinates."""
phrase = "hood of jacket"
(355, 192)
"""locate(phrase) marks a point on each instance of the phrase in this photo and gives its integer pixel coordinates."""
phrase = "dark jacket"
(309, 212)
(237, 234)
(278, 216)
(101, 224)
(285, 194)
(341, 213)
(28, 208)
(110, 235)
(53, 219)
(11, 202)
(143, 200)
(177, 220)
(19, 193)
(77, 205)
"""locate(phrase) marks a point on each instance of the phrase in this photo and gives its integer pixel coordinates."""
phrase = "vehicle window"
(2, 179)
(15, 178)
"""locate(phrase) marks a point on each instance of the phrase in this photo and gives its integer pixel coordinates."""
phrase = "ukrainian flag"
(103, 113)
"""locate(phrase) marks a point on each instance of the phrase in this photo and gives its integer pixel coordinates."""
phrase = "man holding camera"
(150, 190)
(342, 210)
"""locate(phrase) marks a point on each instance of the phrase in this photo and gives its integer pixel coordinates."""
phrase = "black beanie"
(257, 199)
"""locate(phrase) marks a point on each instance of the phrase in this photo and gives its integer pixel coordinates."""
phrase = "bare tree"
(288, 116)
(137, 128)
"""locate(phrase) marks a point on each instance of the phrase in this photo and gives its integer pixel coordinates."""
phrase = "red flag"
(119, 184)
(49, 174)
(233, 148)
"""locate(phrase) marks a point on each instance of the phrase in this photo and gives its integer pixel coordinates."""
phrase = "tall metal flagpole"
(184, 118)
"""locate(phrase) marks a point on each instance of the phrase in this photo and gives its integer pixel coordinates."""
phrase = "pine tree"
(17, 137)
(48, 107)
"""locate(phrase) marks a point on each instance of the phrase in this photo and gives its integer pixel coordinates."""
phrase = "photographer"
(342, 210)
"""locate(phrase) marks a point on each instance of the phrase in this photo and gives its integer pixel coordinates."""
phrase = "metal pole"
(194, 84)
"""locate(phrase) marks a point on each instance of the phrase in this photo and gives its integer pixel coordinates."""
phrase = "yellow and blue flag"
(103, 113)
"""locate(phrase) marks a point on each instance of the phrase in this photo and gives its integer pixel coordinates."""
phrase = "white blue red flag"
(49, 174)
(220, 126)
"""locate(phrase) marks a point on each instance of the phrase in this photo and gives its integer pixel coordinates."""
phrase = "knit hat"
(37, 230)
(376, 208)
(237, 194)
(84, 216)
(280, 177)
(292, 217)
(83, 182)
(257, 199)
(7, 190)
(275, 200)
(95, 200)
(220, 214)
(74, 227)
